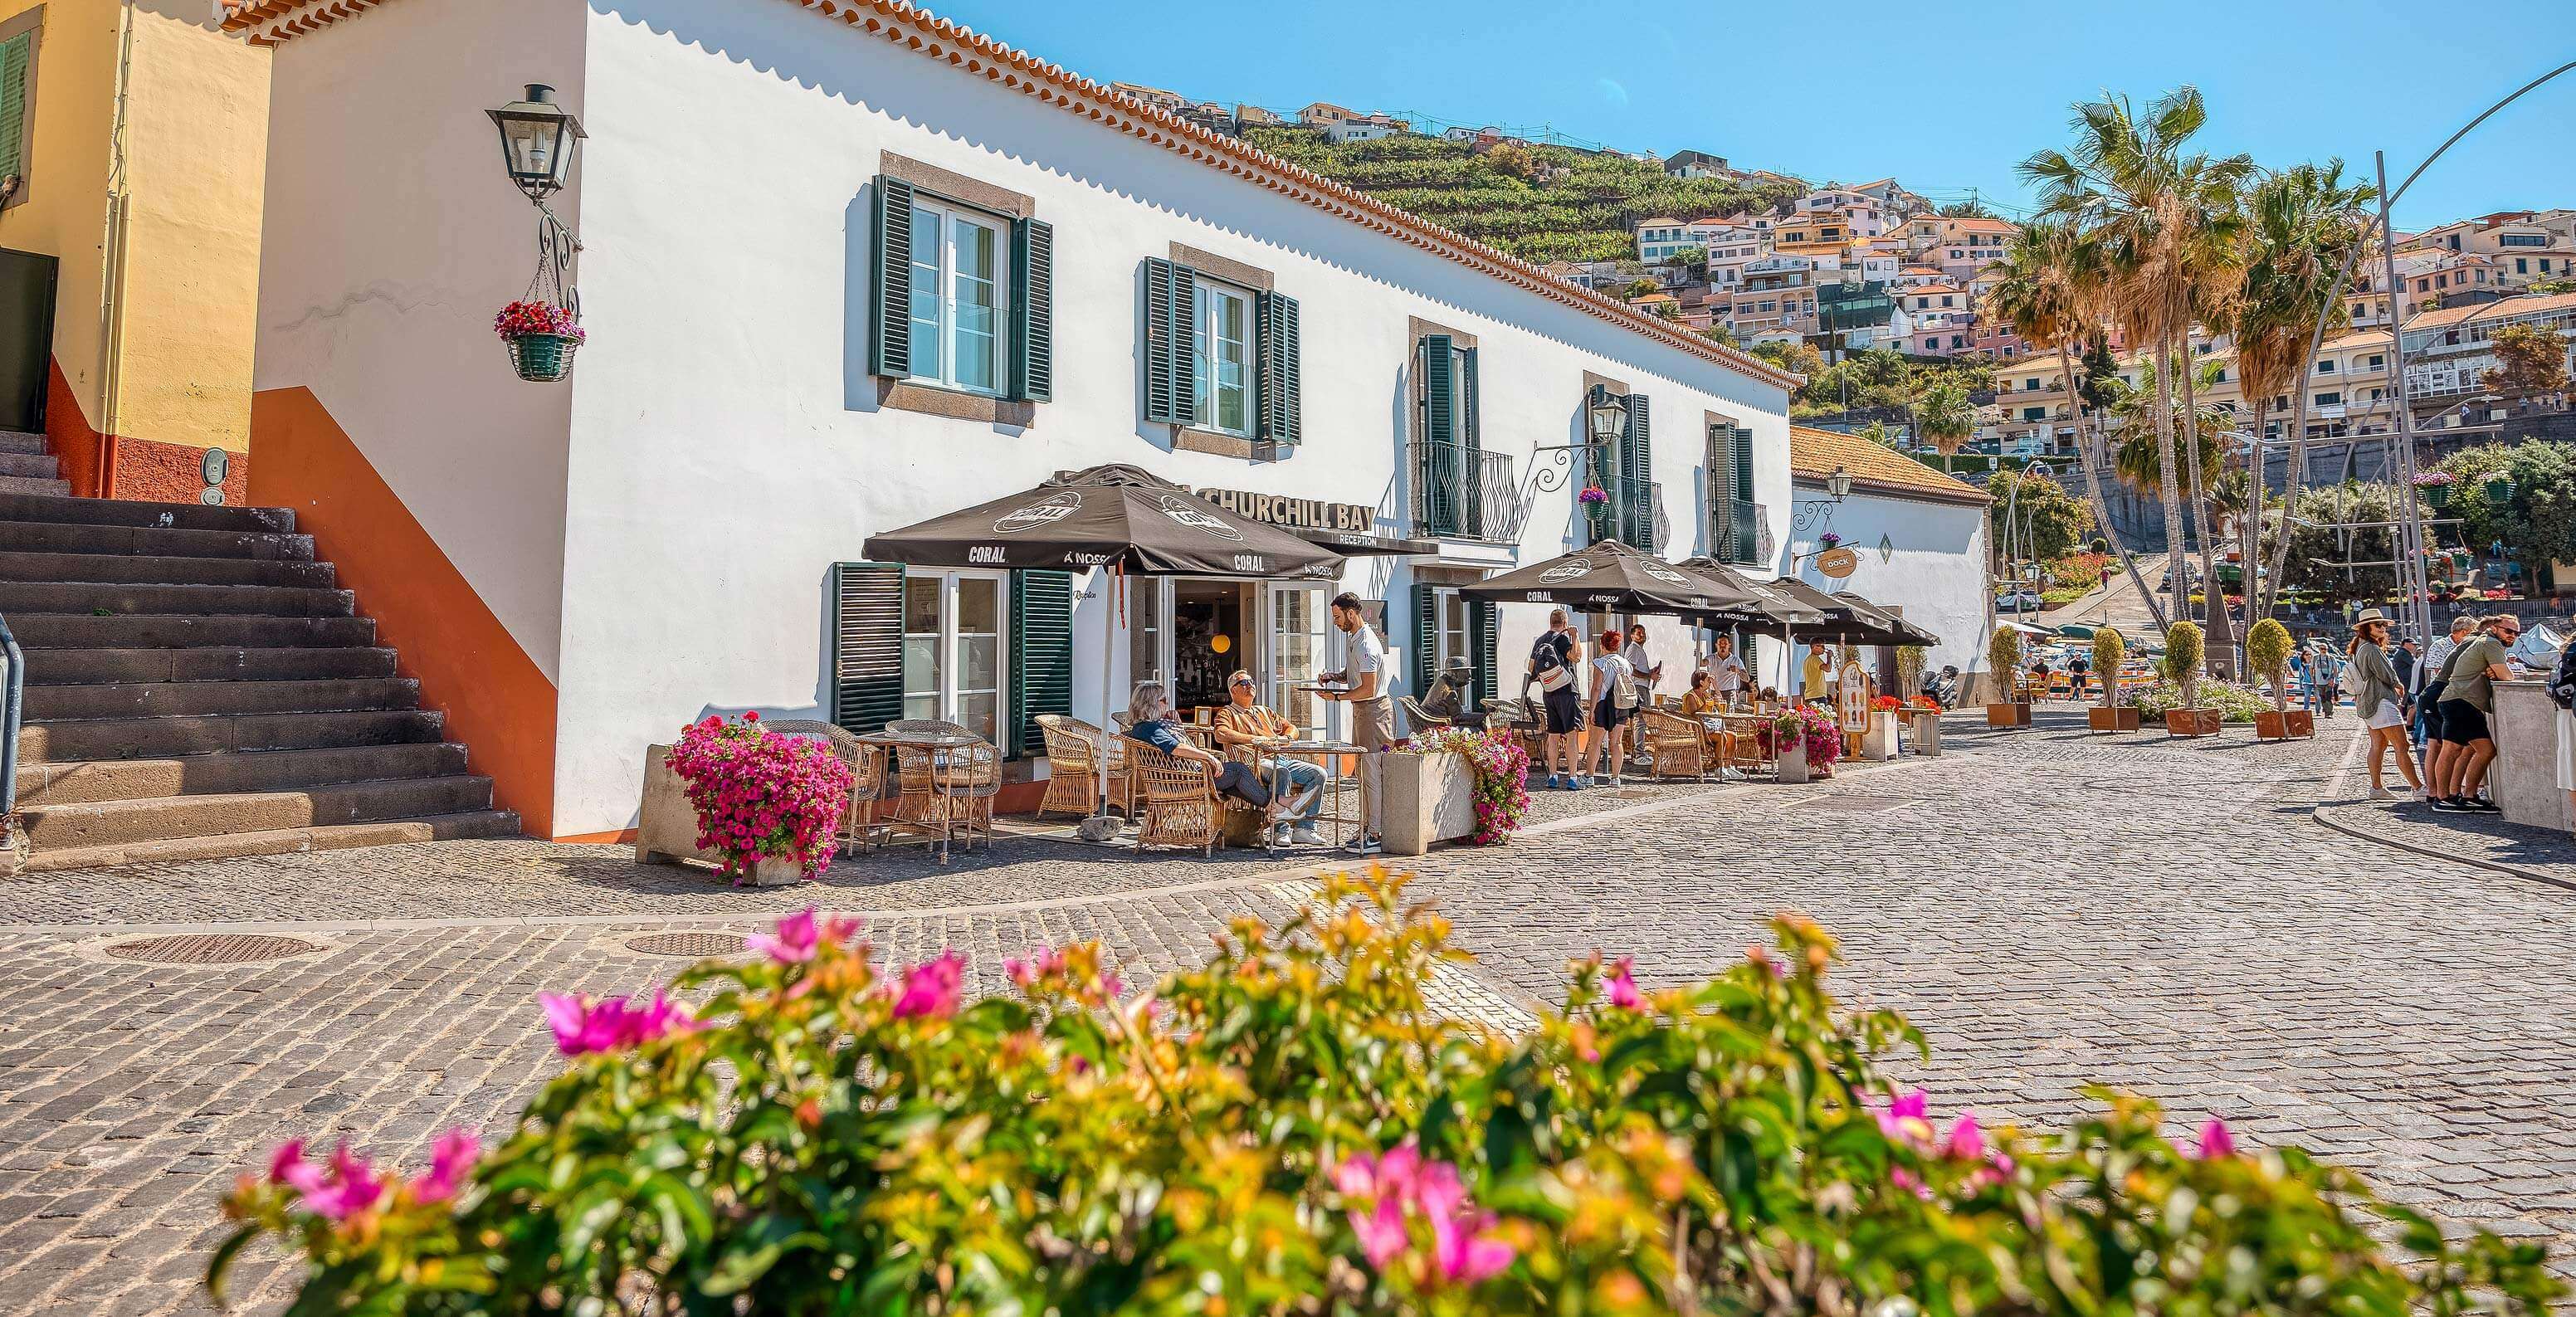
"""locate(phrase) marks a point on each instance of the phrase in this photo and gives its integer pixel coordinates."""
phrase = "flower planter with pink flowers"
(762, 806)
(541, 337)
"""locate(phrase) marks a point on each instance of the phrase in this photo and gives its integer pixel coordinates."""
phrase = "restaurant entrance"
(1193, 631)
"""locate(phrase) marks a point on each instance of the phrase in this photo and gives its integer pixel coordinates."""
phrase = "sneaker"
(1552, 782)
(1305, 835)
(2480, 805)
(2382, 793)
(1617, 781)
(2446, 805)
(1576, 783)
(1371, 845)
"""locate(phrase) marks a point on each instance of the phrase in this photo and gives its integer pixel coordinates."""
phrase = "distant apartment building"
(2449, 351)
(1661, 239)
(2523, 246)
(1696, 164)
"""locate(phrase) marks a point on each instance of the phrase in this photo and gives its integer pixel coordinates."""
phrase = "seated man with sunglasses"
(1243, 722)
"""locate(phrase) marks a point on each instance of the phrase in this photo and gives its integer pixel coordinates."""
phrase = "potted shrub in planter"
(2110, 649)
(1878, 738)
(2182, 668)
(1809, 740)
(541, 337)
(2003, 658)
(769, 805)
(2267, 651)
(1454, 783)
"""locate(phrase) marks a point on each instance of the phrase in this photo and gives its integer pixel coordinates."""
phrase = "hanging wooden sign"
(1838, 562)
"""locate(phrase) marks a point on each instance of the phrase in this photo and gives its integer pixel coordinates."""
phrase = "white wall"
(391, 237)
(1936, 573)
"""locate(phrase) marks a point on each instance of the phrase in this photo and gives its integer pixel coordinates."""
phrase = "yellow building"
(129, 243)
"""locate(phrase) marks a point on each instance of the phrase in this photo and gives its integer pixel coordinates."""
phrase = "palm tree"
(2301, 225)
(1945, 416)
(2051, 296)
(2168, 223)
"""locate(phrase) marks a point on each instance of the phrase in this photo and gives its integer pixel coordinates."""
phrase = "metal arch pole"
(2410, 536)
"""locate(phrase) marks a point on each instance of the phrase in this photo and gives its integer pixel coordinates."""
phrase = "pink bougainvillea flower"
(1907, 1118)
(1381, 1231)
(795, 940)
(932, 988)
(2215, 1141)
(1910, 1183)
(352, 1186)
(287, 1162)
(1386, 1190)
(1623, 987)
(582, 1027)
(1967, 1142)
(451, 1160)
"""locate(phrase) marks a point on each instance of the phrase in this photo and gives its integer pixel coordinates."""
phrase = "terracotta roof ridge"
(973, 52)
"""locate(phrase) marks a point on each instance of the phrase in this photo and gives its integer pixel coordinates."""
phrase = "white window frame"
(1450, 645)
(948, 697)
(1204, 348)
(946, 277)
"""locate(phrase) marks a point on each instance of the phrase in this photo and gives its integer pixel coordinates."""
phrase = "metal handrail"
(12, 709)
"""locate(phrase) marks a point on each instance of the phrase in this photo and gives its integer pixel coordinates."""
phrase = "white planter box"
(1793, 761)
(666, 826)
(1926, 733)
(1427, 798)
(1878, 740)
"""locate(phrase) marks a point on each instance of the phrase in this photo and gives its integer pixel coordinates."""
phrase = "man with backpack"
(1551, 669)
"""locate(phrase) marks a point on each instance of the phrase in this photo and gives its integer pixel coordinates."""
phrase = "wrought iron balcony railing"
(1464, 493)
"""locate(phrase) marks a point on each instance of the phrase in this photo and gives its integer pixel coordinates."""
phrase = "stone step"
(131, 600)
(162, 818)
(159, 738)
(35, 466)
(233, 772)
(283, 841)
(53, 704)
(161, 569)
(74, 537)
(84, 667)
(35, 487)
(82, 631)
(22, 441)
(135, 512)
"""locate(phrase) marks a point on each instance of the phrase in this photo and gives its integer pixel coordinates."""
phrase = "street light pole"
(2410, 536)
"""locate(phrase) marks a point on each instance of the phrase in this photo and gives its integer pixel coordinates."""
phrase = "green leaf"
(750, 1256)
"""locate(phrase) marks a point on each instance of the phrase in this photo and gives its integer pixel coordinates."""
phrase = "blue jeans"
(1302, 775)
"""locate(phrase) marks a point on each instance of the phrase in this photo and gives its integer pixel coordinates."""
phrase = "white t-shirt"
(1367, 654)
(1607, 670)
(1728, 673)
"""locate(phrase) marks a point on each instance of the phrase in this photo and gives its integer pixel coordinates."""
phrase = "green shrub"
(2110, 650)
(2235, 703)
(1293, 1127)
(2003, 657)
(2182, 659)
(2267, 653)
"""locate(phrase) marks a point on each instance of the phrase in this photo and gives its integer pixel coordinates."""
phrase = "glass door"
(953, 657)
(1295, 651)
(1149, 654)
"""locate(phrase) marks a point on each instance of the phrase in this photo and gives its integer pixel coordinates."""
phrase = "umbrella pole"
(1113, 582)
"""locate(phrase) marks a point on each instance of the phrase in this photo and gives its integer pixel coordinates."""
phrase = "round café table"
(929, 807)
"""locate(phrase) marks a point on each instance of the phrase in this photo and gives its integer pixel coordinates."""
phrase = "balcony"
(1463, 493)
(1735, 531)
(1634, 515)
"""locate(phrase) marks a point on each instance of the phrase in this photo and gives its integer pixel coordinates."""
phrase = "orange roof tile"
(968, 51)
(1875, 467)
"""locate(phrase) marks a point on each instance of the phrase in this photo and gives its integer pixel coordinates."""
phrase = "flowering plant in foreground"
(1502, 775)
(1817, 731)
(1294, 1127)
(1886, 703)
(520, 319)
(2430, 479)
(760, 794)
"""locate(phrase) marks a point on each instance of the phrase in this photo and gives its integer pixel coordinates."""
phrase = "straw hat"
(2368, 616)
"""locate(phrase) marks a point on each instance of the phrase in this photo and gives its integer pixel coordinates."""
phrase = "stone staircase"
(26, 467)
(198, 687)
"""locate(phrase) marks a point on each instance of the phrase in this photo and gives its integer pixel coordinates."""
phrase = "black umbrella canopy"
(1613, 577)
(1771, 608)
(1856, 619)
(1105, 516)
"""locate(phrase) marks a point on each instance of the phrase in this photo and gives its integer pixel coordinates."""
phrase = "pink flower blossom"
(932, 987)
(582, 1027)
(1623, 987)
(451, 1160)
(794, 942)
(349, 1187)
(1967, 1141)
(1907, 1118)
(286, 1162)
(1385, 1191)
(1381, 1231)
(2215, 1141)
(1910, 1183)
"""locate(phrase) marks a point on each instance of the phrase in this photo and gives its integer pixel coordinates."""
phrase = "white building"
(1920, 537)
(847, 267)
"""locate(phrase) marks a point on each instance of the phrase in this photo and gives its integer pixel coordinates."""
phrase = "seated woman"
(1150, 720)
(1702, 704)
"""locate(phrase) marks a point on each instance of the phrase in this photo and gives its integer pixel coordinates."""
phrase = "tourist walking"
(2428, 698)
(2077, 667)
(2298, 678)
(1614, 701)
(2325, 675)
(2562, 692)
(1551, 669)
(1372, 708)
(2379, 698)
(2468, 701)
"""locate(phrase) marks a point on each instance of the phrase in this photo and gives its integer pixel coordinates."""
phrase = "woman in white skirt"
(2562, 691)
(2378, 698)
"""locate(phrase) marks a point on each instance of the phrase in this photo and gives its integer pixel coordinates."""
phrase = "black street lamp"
(1839, 484)
(538, 141)
(1608, 414)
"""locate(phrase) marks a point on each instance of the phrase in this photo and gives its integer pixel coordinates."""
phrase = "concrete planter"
(1878, 736)
(2007, 715)
(2524, 778)
(1428, 798)
(666, 827)
(1925, 734)
(2122, 719)
(2189, 722)
(1793, 761)
(2281, 726)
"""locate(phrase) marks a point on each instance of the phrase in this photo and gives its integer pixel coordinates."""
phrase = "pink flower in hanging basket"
(520, 319)
(1594, 494)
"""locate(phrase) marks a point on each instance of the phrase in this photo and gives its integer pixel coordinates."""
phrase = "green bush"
(1293, 1127)
(2235, 703)
(2003, 656)
(2267, 654)
(2110, 649)
(2182, 656)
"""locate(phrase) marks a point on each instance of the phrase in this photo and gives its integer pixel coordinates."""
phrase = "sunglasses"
(1244, 685)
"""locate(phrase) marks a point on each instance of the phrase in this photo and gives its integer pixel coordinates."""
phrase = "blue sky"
(1944, 97)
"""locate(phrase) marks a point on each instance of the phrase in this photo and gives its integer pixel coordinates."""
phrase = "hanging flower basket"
(1593, 496)
(541, 338)
(2499, 489)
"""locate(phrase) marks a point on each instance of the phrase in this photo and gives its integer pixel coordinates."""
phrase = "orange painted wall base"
(146, 469)
(496, 699)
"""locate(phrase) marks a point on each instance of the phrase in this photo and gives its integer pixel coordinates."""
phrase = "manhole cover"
(211, 949)
(696, 946)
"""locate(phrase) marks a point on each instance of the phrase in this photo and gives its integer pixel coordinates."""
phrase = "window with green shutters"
(946, 308)
(1483, 624)
(1282, 391)
(1448, 467)
(17, 73)
(1735, 520)
(1190, 371)
(1041, 653)
(1635, 498)
(867, 645)
(1171, 327)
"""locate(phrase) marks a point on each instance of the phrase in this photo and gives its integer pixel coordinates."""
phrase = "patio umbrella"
(1614, 577)
(1118, 517)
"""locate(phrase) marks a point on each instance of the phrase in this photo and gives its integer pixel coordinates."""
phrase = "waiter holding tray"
(1372, 707)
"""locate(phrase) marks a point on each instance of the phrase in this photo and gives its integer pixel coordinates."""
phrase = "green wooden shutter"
(1483, 622)
(1280, 393)
(1747, 529)
(1426, 636)
(1436, 457)
(1041, 653)
(1033, 310)
(1637, 474)
(1471, 471)
(1744, 465)
(1171, 326)
(890, 292)
(867, 645)
(14, 58)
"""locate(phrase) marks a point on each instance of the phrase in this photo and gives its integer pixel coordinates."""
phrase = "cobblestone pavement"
(2053, 908)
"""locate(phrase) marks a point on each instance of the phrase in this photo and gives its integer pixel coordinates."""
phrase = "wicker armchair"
(1675, 745)
(1176, 801)
(868, 782)
(1073, 773)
